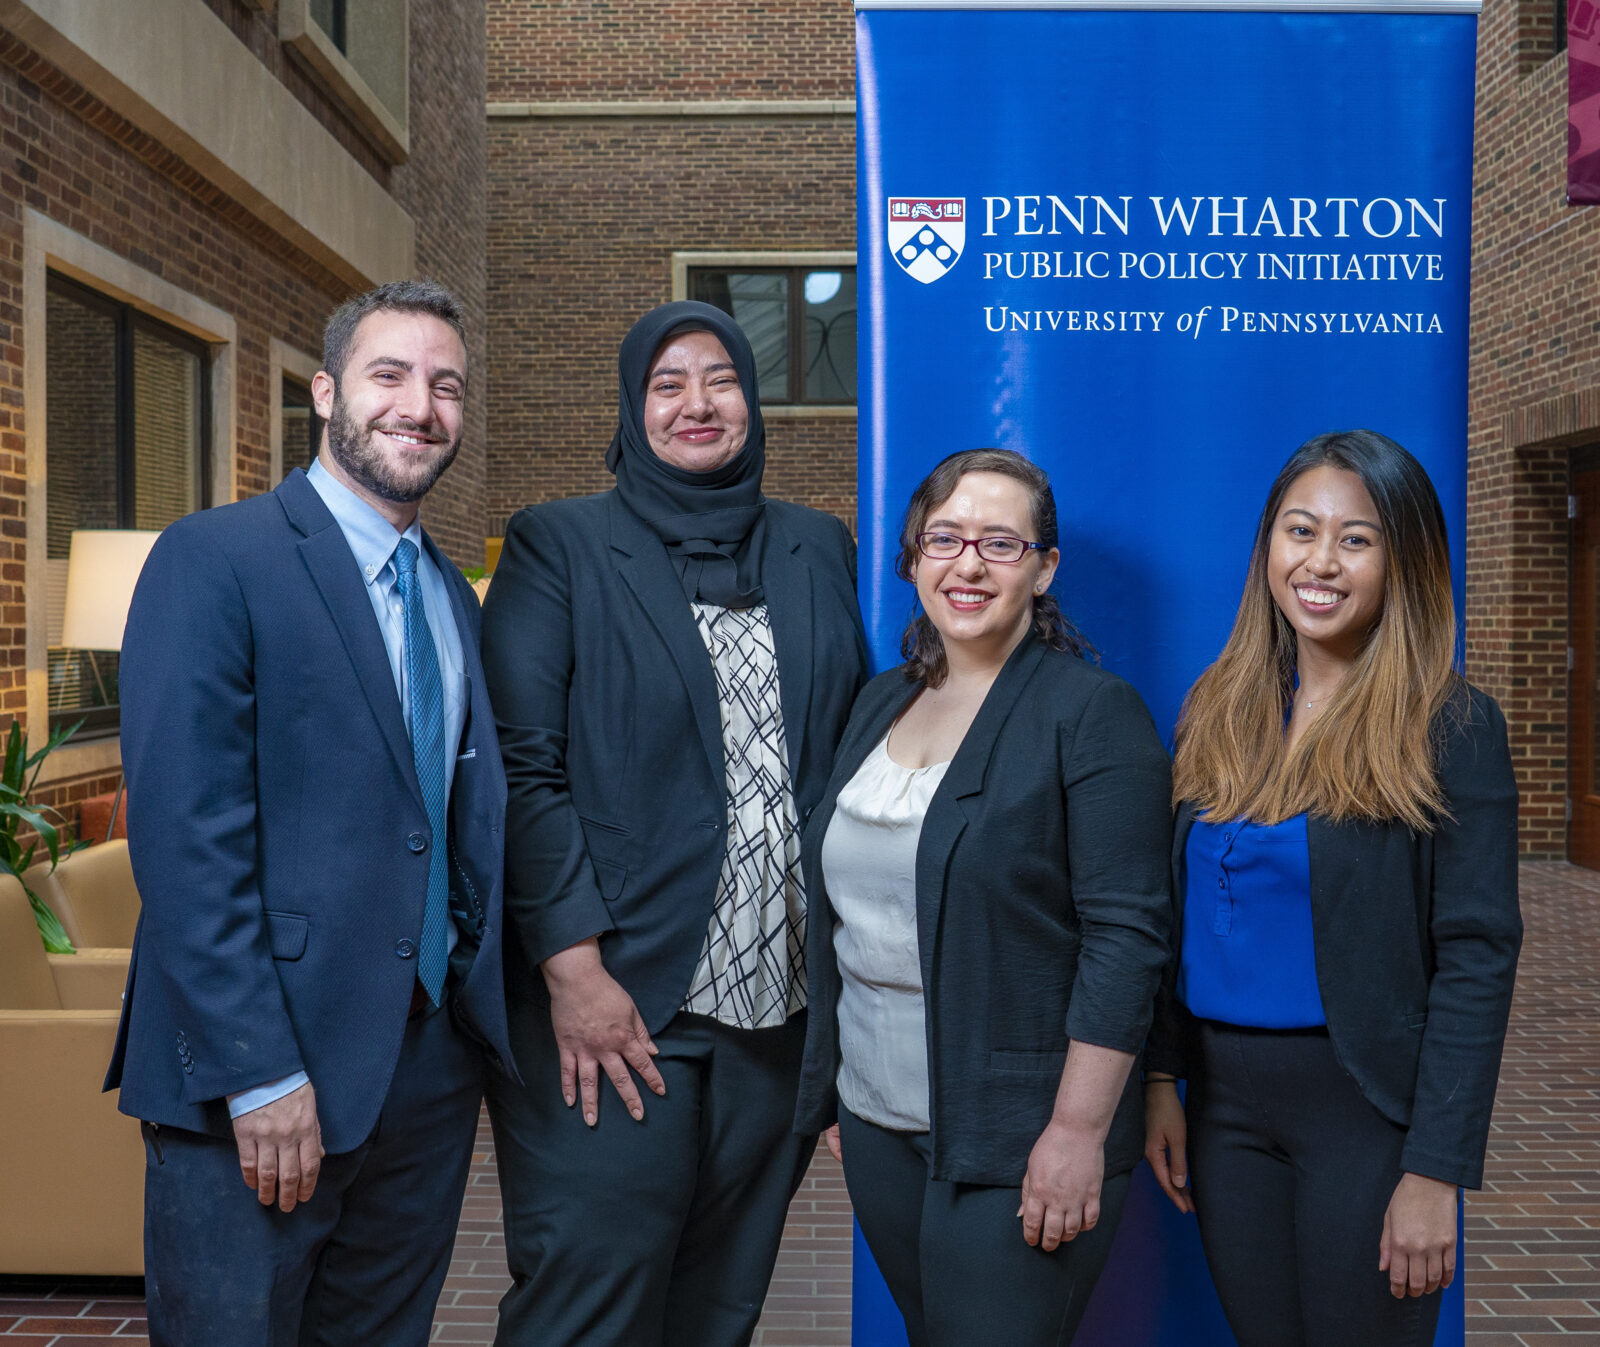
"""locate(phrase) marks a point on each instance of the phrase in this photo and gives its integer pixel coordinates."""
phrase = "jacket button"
(417, 842)
(188, 1068)
(405, 949)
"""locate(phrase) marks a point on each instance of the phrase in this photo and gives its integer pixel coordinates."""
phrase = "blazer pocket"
(611, 878)
(1417, 1021)
(607, 843)
(1017, 1059)
(287, 932)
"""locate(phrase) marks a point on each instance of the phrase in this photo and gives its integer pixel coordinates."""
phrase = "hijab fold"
(712, 523)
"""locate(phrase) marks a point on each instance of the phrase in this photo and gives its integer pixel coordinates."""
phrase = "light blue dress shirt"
(372, 540)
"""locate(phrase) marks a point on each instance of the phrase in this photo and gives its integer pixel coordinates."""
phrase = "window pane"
(759, 303)
(81, 439)
(329, 15)
(302, 427)
(166, 431)
(830, 322)
(81, 422)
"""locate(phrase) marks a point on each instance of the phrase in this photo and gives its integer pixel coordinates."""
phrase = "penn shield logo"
(926, 234)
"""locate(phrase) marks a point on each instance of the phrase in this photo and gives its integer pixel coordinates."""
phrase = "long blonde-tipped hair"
(1370, 755)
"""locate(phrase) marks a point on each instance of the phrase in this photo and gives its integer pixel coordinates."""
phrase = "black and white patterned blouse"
(751, 973)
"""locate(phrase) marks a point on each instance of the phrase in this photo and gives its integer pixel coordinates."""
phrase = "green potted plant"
(17, 775)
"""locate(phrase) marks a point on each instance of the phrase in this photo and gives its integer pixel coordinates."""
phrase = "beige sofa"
(92, 894)
(71, 1166)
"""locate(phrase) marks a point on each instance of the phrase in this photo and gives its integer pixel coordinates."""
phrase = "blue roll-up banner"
(1156, 249)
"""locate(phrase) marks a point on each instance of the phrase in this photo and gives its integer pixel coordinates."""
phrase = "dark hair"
(422, 296)
(921, 646)
(1370, 753)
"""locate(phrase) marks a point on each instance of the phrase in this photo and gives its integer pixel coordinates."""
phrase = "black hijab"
(711, 522)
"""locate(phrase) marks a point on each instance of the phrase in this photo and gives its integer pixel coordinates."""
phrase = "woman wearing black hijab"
(671, 664)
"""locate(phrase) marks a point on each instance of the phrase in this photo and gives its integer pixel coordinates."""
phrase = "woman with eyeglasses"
(1347, 925)
(988, 892)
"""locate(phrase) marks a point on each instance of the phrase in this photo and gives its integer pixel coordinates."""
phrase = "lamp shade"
(102, 568)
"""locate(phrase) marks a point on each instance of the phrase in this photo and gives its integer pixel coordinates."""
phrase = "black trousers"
(361, 1263)
(1292, 1171)
(953, 1253)
(661, 1233)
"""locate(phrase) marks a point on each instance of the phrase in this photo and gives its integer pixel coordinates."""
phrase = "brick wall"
(442, 186)
(584, 216)
(625, 49)
(68, 156)
(1535, 376)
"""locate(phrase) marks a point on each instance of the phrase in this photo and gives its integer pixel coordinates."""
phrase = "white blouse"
(869, 863)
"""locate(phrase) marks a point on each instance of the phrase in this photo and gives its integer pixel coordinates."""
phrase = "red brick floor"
(1533, 1233)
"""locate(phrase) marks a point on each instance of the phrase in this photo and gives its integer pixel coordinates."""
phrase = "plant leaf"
(50, 929)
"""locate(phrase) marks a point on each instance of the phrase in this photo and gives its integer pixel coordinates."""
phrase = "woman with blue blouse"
(1345, 881)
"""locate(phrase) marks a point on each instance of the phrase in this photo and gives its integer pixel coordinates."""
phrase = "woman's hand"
(1418, 1246)
(831, 1136)
(1061, 1190)
(597, 1028)
(1166, 1137)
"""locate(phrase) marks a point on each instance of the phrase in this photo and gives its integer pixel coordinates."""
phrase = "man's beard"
(355, 452)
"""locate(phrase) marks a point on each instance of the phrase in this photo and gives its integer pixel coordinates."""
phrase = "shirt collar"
(372, 538)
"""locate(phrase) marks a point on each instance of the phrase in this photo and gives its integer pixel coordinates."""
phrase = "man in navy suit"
(316, 807)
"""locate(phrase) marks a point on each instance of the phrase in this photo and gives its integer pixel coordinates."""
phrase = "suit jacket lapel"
(860, 737)
(333, 568)
(647, 570)
(786, 580)
(970, 765)
(1182, 825)
(956, 802)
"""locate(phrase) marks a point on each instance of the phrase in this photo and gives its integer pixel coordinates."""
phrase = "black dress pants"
(953, 1253)
(661, 1233)
(1292, 1170)
(361, 1263)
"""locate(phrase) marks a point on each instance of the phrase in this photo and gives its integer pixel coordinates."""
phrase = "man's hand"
(280, 1148)
(597, 1028)
(1418, 1245)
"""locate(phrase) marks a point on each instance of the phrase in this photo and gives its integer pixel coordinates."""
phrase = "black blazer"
(611, 731)
(1416, 941)
(1042, 907)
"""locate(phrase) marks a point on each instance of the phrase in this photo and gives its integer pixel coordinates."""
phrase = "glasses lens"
(1001, 549)
(939, 545)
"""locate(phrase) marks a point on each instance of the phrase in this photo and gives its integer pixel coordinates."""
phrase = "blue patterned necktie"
(427, 749)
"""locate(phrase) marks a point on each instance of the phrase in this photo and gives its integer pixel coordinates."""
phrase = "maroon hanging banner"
(1583, 103)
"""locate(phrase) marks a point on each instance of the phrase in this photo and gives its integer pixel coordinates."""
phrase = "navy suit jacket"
(612, 731)
(278, 834)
